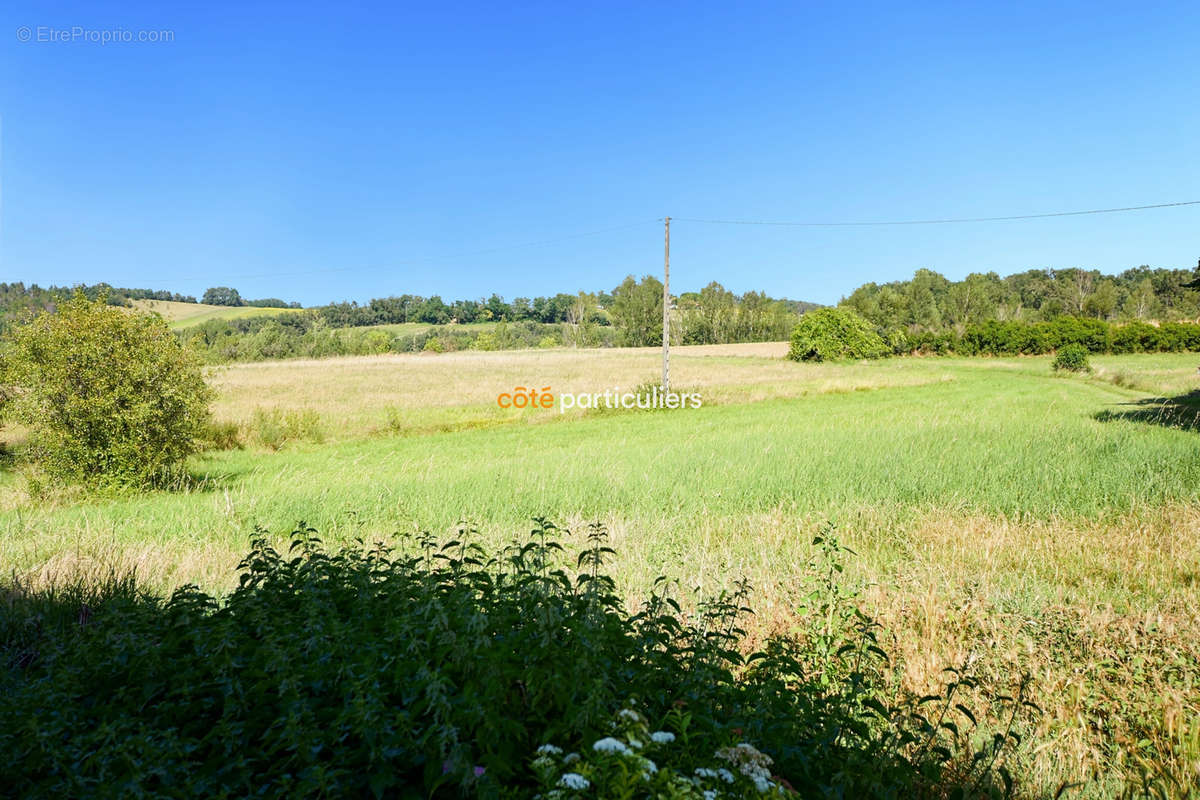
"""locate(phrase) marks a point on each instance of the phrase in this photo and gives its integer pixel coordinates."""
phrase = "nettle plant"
(440, 670)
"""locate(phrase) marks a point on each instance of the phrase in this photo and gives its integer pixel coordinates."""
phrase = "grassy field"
(184, 315)
(1003, 516)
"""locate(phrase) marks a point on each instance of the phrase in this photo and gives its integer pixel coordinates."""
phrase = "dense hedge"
(1037, 338)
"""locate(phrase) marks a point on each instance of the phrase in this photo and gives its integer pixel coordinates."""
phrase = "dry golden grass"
(358, 395)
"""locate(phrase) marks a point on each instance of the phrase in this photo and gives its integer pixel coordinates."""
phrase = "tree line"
(18, 300)
(928, 313)
(629, 316)
(931, 302)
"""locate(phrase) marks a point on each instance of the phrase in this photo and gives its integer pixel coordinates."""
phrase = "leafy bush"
(444, 671)
(897, 342)
(485, 341)
(1072, 358)
(829, 334)
(110, 397)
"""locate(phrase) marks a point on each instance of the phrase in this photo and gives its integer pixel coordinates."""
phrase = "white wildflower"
(629, 714)
(570, 758)
(755, 771)
(549, 750)
(705, 772)
(662, 737)
(762, 784)
(573, 780)
(710, 794)
(725, 775)
(649, 766)
(635, 744)
(611, 745)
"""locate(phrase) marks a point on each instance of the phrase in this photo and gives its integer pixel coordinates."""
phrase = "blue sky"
(371, 149)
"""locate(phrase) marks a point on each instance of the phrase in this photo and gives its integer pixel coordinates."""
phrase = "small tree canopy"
(222, 296)
(110, 397)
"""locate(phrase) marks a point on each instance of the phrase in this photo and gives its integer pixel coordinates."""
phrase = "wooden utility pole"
(667, 307)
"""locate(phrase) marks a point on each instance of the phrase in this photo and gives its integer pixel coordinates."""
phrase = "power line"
(933, 221)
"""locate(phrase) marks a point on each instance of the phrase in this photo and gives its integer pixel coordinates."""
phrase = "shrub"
(375, 342)
(222, 436)
(1072, 358)
(445, 670)
(897, 342)
(110, 397)
(485, 341)
(829, 334)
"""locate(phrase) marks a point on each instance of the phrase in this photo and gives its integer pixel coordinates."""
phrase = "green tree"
(637, 311)
(110, 397)
(577, 330)
(1142, 302)
(927, 292)
(1103, 302)
(1075, 287)
(972, 299)
(716, 314)
(222, 296)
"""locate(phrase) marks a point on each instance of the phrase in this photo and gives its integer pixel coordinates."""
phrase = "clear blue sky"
(367, 150)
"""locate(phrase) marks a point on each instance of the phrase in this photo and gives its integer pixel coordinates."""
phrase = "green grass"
(962, 445)
(994, 441)
(1039, 522)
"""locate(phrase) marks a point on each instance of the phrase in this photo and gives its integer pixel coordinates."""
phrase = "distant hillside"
(186, 315)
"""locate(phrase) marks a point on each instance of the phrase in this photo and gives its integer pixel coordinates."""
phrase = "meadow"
(1003, 516)
(185, 315)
